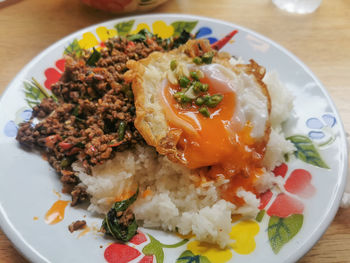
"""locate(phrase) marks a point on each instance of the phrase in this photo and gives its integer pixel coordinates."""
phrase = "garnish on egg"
(195, 93)
(200, 110)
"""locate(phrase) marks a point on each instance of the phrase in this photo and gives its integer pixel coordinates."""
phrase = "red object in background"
(108, 5)
(8, 2)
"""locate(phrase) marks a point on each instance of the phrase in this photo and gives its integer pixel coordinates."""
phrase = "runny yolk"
(56, 212)
(218, 142)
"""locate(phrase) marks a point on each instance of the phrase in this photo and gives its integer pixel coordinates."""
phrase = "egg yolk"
(218, 143)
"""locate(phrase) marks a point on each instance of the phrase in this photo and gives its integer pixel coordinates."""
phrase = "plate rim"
(30, 253)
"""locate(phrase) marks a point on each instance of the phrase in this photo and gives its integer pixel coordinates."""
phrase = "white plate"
(28, 182)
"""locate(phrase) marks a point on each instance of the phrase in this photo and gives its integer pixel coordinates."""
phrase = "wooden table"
(321, 40)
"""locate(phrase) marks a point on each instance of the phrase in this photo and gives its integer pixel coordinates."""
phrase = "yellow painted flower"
(244, 233)
(212, 252)
(140, 27)
(104, 33)
(158, 27)
(89, 40)
(162, 29)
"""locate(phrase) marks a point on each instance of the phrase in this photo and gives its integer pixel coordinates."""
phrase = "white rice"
(176, 204)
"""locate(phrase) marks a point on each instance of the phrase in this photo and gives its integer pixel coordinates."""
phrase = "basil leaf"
(182, 39)
(306, 151)
(136, 37)
(140, 36)
(94, 57)
(114, 222)
(123, 205)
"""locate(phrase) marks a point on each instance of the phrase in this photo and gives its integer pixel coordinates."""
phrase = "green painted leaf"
(124, 28)
(307, 151)
(282, 230)
(73, 49)
(154, 248)
(180, 26)
(178, 244)
(34, 93)
(188, 257)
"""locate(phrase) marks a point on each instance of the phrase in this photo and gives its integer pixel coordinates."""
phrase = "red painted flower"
(54, 74)
(108, 5)
(297, 183)
(123, 253)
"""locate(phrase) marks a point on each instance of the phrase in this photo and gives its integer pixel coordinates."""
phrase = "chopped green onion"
(194, 75)
(197, 86)
(197, 60)
(200, 101)
(185, 99)
(204, 87)
(200, 74)
(173, 65)
(204, 111)
(207, 58)
(214, 100)
(181, 97)
(206, 97)
(121, 130)
(184, 81)
(178, 95)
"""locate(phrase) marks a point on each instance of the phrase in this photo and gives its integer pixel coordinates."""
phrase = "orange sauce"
(84, 232)
(56, 212)
(218, 142)
(125, 195)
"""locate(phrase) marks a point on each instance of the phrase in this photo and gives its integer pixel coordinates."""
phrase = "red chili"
(92, 148)
(149, 41)
(74, 151)
(51, 140)
(222, 42)
(66, 172)
(130, 44)
(115, 144)
(65, 145)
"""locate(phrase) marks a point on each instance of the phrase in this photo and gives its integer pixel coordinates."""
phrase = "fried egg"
(229, 143)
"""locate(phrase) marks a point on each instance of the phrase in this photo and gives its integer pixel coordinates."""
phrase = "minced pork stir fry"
(93, 115)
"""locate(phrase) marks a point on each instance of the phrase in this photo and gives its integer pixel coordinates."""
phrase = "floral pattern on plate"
(284, 209)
